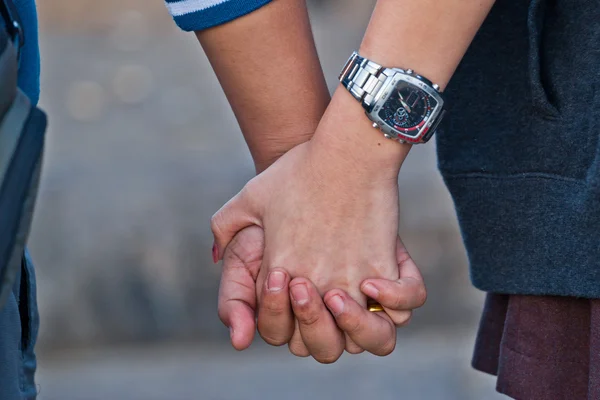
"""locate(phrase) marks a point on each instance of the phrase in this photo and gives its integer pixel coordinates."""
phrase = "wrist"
(346, 132)
(288, 128)
(277, 145)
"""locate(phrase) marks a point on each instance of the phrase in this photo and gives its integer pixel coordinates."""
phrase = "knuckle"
(215, 224)
(246, 247)
(398, 300)
(352, 326)
(273, 307)
(308, 318)
(246, 192)
(247, 195)
(251, 189)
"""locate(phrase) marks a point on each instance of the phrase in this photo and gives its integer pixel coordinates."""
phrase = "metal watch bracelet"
(363, 78)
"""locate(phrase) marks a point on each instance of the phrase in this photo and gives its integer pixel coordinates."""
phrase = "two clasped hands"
(314, 235)
(307, 241)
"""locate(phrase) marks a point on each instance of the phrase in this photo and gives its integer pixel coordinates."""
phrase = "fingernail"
(370, 291)
(300, 294)
(231, 332)
(276, 281)
(215, 253)
(336, 305)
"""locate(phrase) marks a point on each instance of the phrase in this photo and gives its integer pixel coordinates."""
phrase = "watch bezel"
(419, 82)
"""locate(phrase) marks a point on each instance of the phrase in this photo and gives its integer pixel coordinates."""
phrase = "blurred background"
(142, 150)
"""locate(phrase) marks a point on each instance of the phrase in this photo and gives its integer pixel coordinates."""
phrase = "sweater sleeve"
(195, 15)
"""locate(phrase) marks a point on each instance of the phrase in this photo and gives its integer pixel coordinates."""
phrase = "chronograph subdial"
(401, 117)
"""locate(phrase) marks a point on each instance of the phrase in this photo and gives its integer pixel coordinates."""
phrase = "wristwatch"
(404, 105)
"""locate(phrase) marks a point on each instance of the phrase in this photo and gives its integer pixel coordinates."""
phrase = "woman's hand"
(329, 210)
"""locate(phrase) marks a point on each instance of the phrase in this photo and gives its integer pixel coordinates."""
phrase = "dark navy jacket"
(520, 153)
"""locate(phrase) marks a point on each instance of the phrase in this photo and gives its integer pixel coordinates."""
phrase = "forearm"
(428, 36)
(268, 67)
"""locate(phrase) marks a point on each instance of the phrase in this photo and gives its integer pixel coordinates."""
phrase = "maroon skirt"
(541, 347)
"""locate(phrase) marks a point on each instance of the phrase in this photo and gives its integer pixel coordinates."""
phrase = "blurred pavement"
(432, 367)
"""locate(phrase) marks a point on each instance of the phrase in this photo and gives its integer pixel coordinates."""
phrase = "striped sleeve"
(195, 15)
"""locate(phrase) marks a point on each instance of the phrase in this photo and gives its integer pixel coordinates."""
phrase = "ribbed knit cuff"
(195, 15)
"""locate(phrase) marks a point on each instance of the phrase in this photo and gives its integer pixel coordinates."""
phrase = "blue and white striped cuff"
(195, 15)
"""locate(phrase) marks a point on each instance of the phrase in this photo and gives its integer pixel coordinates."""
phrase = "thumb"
(399, 297)
(237, 214)
(237, 292)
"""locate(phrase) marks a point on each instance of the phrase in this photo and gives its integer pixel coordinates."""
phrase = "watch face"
(407, 109)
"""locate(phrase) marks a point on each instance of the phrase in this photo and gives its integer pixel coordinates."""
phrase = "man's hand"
(372, 331)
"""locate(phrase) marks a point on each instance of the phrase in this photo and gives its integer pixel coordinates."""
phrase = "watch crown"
(375, 125)
(436, 87)
(387, 136)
